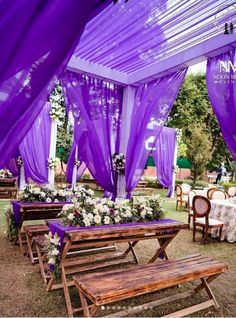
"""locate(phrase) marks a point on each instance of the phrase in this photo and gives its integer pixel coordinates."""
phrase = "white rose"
(97, 219)
(90, 192)
(74, 200)
(56, 200)
(107, 220)
(43, 194)
(55, 252)
(90, 216)
(87, 222)
(51, 261)
(48, 200)
(128, 214)
(117, 219)
(143, 213)
(71, 216)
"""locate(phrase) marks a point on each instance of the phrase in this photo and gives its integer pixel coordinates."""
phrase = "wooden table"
(163, 231)
(8, 188)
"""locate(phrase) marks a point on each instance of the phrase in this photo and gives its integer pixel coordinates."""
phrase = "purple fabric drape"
(35, 147)
(153, 103)
(163, 155)
(13, 166)
(221, 85)
(96, 106)
(70, 165)
(37, 39)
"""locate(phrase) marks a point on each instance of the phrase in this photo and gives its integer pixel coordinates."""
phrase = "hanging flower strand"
(77, 163)
(19, 161)
(118, 162)
(52, 163)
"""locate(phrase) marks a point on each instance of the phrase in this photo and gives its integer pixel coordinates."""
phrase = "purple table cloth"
(16, 205)
(57, 227)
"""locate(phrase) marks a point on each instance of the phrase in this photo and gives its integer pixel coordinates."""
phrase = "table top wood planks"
(163, 231)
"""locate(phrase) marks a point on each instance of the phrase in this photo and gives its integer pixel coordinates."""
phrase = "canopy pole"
(75, 169)
(127, 110)
(22, 182)
(52, 152)
(174, 173)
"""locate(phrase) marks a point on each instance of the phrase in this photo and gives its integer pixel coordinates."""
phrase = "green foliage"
(226, 185)
(181, 146)
(200, 184)
(199, 150)
(192, 107)
(151, 182)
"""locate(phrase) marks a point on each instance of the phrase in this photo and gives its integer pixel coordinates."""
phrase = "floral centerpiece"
(5, 173)
(92, 212)
(118, 162)
(44, 194)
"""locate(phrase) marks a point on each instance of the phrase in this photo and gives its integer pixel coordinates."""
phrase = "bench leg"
(205, 285)
(131, 249)
(66, 292)
(84, 304)
(22, 251)
(41, 265)
(29, 246)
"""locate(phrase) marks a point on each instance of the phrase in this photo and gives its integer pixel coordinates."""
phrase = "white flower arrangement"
(5, 173)
(52, 253)
(19, 161)
(44, 194)
(118, 162)
(56, 112)
(77, 163)
(52, 163)
(92, 212)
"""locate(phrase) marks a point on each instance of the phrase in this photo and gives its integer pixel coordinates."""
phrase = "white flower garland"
(77, 163)
(19, 161)
(56, 112)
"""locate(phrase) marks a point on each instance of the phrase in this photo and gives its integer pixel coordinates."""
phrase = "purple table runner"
(16, 205)
(57, 227)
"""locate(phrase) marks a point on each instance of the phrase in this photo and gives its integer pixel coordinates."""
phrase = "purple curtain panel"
(153, 103)
(221, 85)
(163, 156)
(96, 106)
(37, 40)
(70, 165)
(35, 147)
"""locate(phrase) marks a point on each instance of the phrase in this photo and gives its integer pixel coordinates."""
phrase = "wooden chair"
(191, 195)
(210, 191)
(182, 192)
(232, 192)
(201, 210)
(218, 194)
(108, 287)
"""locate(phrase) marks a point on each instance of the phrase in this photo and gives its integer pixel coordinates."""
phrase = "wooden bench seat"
(107, 287)
(32, 231)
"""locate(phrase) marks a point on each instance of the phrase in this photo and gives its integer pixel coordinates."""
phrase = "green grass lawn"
(22, 292)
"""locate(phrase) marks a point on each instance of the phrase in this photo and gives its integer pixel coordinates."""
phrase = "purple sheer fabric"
(35, 147)
(37, 39)
(70, 165)
(221, 85)
(163, 156)
(153, 103)
(13, 166)
(96, 106)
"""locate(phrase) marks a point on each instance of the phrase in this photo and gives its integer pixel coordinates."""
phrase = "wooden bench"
(8, 192)
(107, 287)
(32, 231)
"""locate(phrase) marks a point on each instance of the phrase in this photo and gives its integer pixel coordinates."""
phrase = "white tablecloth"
(225, 211)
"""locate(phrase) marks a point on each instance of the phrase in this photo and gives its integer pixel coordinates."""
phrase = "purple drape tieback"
(57, 227)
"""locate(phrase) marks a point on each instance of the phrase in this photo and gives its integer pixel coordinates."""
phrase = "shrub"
(200, 184)
(226, 185)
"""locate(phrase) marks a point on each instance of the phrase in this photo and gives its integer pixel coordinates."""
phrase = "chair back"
(201, 207)
(210, 191)
(178, 190)
(191, 195)
(218, 195)
(232, 192)
(185, 188)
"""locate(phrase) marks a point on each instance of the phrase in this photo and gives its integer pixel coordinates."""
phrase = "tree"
(199, 147)
(192, 107)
